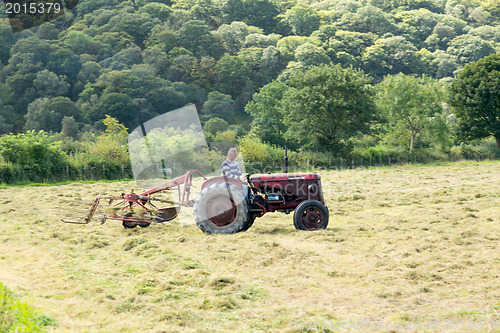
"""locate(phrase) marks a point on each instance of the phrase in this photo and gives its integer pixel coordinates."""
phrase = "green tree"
(90, 72)
(347, 47)
(183, 68)
(195, 36)
(136, 25)
(124, 59)
(416, 25)
(157, 59)
(112, 144)
(252, 57)
(47, 113)
(271, 64)
(204, 10)
(220, 106)
(440, 37)
(118, 105)
(409, 104)
(157, 10)
(69, 127)
(6, 119)
(311, 55)
(48, 84)
(139, 82)
(163, 37)
(88, 6)
(116, 40)
(327, 105)
(7, 39)
(215, 125)
(77, 41)
(260, 13)
(33, 45)
(391, 55)
(475, 96)
(48, 31)
(232, 74)
(260, 40)
(288, 45)
(493, 8)
(232, 36)
(368, 19)
(268, 121)
(469, 48)
(24, 68)
(303, 20)
(65, 62)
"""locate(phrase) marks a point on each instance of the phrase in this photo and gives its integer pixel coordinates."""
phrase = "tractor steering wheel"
(248, 176)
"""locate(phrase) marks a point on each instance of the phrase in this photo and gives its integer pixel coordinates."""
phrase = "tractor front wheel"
(221, 208)
(310, 215)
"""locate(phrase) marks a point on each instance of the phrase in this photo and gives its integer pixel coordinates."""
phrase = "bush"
(252, 149)
(484, 149)
(10, 173)
(112, 143)
(90, 166)
(226, 136)
(17, 316)
(35, 153)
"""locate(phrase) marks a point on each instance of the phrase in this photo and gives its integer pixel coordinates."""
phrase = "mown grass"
(403, 243)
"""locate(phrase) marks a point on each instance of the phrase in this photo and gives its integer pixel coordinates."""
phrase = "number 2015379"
(32, 8)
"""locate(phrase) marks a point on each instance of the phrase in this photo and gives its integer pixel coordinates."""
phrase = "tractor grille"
(320, 192)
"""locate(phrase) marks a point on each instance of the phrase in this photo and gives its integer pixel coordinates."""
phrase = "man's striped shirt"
(230, 169)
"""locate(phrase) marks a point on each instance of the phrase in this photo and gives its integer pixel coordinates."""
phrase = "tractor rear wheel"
(221, 208)
(249, 223)
(310, 215)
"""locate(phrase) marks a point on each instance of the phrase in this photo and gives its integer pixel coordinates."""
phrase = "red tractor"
(221, 206)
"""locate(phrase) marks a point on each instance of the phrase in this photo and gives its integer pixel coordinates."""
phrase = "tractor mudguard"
(221, 179)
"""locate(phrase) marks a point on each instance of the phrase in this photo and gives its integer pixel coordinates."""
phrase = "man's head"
(232, 153)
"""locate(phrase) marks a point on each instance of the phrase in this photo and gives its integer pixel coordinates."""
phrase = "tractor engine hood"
(280, 177)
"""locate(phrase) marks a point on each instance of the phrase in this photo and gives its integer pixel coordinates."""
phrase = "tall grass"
(18, 316)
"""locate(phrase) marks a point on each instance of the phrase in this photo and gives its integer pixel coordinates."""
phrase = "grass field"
(404, 244)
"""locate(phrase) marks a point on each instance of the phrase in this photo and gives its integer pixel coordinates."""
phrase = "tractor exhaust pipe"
(286, 160)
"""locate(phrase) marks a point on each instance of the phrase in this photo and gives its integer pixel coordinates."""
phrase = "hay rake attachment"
(140, 209)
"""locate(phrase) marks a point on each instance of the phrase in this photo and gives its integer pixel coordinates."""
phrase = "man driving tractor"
(230, 168)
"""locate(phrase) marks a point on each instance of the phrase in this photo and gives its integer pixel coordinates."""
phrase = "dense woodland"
(262, 73)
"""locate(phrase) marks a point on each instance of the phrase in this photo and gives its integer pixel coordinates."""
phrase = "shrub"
(17, 316)
(35, 152)
(226, 136)
(112, 143)
(252, 149)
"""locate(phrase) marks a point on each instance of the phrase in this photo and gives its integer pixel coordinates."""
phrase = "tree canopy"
(475, 97)
(276, 60)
